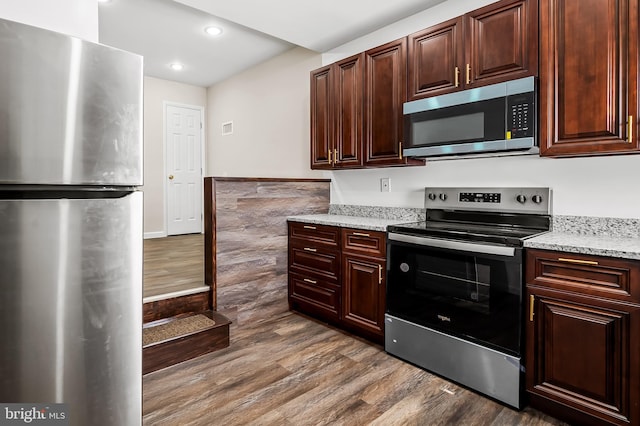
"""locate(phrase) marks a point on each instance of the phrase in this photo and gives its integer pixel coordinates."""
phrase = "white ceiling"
(167, 31)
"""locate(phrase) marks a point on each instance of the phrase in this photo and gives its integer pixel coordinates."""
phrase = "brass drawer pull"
(310, 281)
(578, 261)
(310, 227)
(630, 129)
(532, 300)
(361, 234)
(457, 77)
(400, 149)
(379, 274)
(312, 250)
(468, 73)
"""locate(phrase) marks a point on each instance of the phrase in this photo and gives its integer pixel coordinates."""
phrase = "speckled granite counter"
(613, 237)
(370, 223)
(598, 245)
(362, 217)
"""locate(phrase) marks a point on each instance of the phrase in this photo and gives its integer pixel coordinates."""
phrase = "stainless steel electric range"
(455, 286)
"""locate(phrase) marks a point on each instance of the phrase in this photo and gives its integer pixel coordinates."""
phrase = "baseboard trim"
(157, 234)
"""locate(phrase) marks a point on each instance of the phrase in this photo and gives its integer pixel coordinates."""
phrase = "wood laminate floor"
(173, 263)
(290, 370)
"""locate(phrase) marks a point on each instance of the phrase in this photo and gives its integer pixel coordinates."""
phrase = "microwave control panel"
(520, 115)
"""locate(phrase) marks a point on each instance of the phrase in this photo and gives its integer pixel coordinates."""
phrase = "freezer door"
(70, 110)
(71, 306)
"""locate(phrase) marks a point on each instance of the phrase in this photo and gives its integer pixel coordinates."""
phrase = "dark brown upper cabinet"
(496, 43)
(356, 110)
(588, 77)
(336, 114)
(385, 84)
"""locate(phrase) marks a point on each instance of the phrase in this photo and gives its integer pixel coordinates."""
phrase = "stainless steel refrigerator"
(70, 225)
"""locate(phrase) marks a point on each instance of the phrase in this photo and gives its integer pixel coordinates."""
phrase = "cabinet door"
(588, 76)
(436, 57)
(321, 118)
(363, 293)
(501, 42)
(385, 88)
(582, 353)
(348, 112)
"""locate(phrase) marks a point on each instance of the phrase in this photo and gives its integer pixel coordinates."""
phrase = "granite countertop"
(360, 222)
(598, 245)
(598, 236)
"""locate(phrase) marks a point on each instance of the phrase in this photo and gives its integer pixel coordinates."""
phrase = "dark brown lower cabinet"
(338, 275)
(582, 350)
(363, 294)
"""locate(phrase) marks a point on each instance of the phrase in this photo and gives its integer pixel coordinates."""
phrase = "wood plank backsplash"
(246, 241)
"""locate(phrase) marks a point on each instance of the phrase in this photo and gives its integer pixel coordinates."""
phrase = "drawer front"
(593, 275)
(314, 296)
(360, 241)
(315, 260)
(315, 234)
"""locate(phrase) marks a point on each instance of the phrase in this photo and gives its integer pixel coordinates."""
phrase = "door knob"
(170, 177)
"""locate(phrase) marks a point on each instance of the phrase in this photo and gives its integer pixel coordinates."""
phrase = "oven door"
(469, 290)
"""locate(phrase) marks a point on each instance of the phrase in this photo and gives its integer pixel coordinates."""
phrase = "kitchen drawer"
(314, 296)
(315, 234)
(313, 259)
(372, 243)
(599, 276)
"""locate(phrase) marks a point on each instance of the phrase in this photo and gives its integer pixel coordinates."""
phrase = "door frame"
(165, 183)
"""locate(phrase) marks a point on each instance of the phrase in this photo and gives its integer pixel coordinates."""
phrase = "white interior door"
(184, 170)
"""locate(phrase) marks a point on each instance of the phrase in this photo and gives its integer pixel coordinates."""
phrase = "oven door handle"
(454, 245)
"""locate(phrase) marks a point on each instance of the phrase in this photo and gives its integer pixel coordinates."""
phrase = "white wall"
(74, 17)
(595, 186)
(269, 107)
(156, 92)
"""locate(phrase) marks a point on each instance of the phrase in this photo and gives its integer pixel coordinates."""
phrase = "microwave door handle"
(454, 245)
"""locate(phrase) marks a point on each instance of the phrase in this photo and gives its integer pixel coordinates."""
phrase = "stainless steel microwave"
(496, 118)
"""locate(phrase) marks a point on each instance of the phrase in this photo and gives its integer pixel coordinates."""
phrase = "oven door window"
(474, 296)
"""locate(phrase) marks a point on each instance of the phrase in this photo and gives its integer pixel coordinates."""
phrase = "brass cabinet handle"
(630, 129)
(310, 227)
(379, 274)
(468, 73)
(330, 159)
(312, 250)
(310, 281)
(578, 261)
(457, 77)
(532, 300)
(361, 234)
(400, 149)
(335, 157)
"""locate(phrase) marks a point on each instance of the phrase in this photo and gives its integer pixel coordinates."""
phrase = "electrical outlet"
(385, 185)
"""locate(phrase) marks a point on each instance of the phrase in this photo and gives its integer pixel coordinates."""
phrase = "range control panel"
(516, 200)
(480, 197)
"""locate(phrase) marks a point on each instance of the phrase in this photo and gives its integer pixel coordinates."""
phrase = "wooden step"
(173, 340)
(173, 306)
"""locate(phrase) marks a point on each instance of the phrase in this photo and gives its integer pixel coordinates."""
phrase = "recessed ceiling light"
(104, 1)
(213, 31)
(176, 66)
